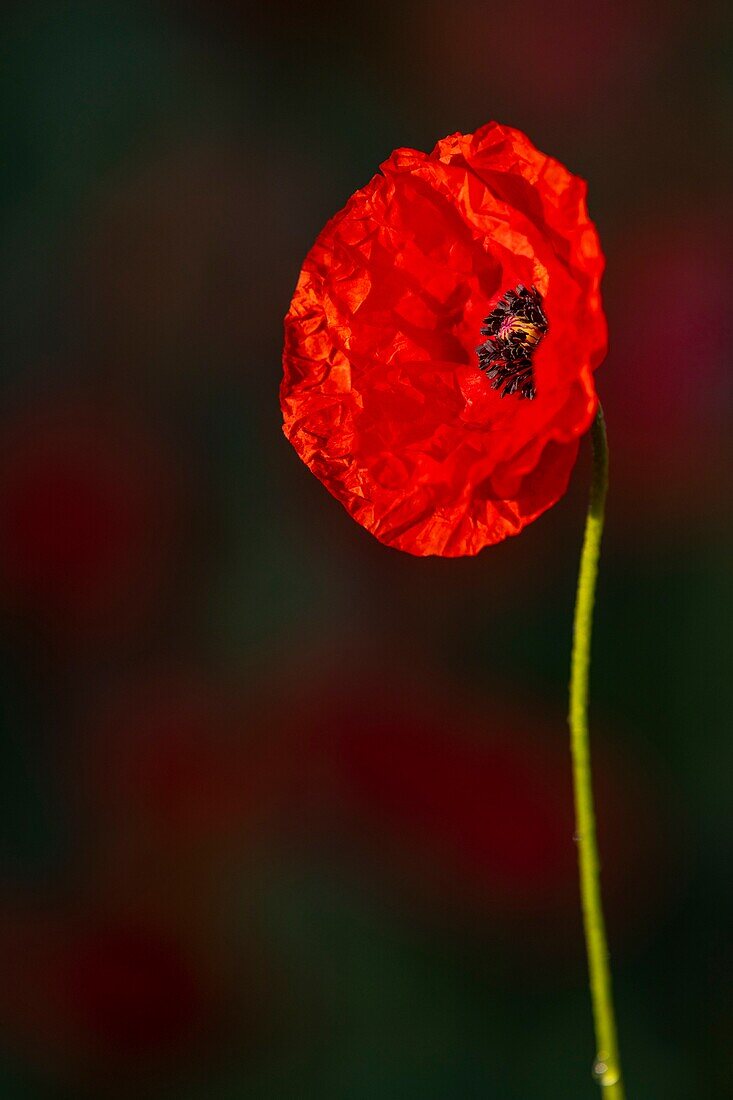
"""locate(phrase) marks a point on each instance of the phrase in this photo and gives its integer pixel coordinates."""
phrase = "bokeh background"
(285, 813)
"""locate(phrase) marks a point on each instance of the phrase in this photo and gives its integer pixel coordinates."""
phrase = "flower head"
(435, 442)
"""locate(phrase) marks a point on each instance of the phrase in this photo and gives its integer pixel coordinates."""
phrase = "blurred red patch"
(131, 988)
(182, 761)
(87, 506)
(494, 815)
(673, 333)
(570, 55)
(478, 812)
(79, 990)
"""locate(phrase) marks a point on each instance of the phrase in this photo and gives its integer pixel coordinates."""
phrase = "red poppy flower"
(440, 344)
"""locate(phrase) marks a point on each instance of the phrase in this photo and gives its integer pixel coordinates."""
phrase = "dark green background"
(239, 859)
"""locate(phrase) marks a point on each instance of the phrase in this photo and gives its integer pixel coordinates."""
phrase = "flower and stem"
(439, 362)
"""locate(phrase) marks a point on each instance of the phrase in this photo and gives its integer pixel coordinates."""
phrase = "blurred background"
(285, 813)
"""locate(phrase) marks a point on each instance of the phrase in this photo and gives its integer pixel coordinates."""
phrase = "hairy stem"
(607, 1067)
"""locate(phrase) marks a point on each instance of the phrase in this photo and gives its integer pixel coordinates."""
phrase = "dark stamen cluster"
(514, 328)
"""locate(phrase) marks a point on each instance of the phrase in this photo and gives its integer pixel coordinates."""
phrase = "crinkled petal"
(382, 396)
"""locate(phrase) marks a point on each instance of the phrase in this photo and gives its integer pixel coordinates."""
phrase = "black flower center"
(513, 330)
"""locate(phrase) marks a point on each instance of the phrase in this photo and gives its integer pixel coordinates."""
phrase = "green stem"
(607, 1067)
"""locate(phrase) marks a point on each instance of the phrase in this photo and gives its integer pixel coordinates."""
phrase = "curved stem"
(607, 1067)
